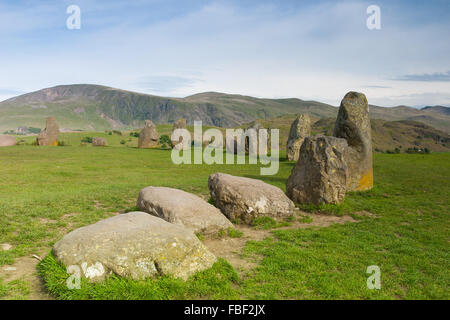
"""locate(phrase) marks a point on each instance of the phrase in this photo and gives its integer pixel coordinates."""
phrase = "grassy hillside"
(97, 108)
(386, 135)
(402, 227)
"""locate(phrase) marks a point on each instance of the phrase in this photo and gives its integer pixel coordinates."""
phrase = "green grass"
(49, 191)
(267, 223)
(214, 283)
(14, 290)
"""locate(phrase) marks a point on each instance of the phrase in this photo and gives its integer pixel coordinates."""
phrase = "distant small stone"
(99, 142)
(251, 142)
(49, 137)
(321, 173)
(244, 199)
(7, 141)
(300, 129)
(179, 124)
(148, 137)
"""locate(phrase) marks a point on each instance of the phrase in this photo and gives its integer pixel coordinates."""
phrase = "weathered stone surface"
(49, 137)
(232, 145)
(251, 138)
(7, 141)
(244, 199)
(135, 245)
(99, 142)
(179, 124)
(149, 137)
(183, 208)
(320, 175)
(300, 129)
(353, 125)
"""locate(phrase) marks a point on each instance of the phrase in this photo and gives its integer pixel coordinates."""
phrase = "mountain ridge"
(97, 107)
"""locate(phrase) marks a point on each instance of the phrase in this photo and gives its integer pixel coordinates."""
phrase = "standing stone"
(49, 137)
(148, 137)
(134, 245)
(179, 124)
(252, 144)
(300, 129)
(321, 173)
(353, 125)
(243, 199)
(183, 208)
(99, 142)
(7, 141)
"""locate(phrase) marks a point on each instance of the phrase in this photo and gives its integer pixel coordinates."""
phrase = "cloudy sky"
(313, 50)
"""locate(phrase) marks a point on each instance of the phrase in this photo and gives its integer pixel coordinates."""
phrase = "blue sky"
(313, 50)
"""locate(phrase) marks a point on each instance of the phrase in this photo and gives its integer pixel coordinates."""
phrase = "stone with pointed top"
(300, 129)
(353, 125)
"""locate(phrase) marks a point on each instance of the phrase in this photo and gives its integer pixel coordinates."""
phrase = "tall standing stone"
(300, 129)
(179, 124)
(251, 137)
(49, 137)
(148, 137)
(353, 125)
(320, 175)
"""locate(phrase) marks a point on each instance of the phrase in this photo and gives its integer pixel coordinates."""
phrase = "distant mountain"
(437, 109)
(95, 107)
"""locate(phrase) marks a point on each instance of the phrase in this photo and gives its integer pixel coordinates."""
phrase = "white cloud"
(318, 52)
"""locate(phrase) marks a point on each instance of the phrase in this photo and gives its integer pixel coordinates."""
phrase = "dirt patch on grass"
(231, 248)
(25, 269)
(365, 213)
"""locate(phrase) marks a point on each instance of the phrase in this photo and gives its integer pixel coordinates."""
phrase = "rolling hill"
(386, 135)
(96, 108)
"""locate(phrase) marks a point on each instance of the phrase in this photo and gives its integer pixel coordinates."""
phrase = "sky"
(312, 50)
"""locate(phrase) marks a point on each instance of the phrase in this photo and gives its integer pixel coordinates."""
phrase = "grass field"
(48, 191)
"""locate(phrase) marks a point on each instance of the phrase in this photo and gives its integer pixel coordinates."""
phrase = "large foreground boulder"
(320, 175)
(49, 137)
(300, 129)
(353, 125)
(182, 208)
(7, 141)
(134, 245)
(244, 199)
(148, 137)
(99, 142)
